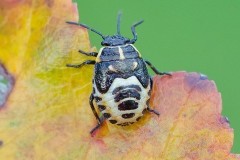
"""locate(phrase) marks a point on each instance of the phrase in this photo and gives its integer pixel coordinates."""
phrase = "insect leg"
(100, 120)
(82, 64)
(155, 70)
(97, 126)
(152, 110)
(93, 108)
(94, 54)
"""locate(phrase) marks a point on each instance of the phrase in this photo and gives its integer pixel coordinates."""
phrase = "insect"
(121, 83)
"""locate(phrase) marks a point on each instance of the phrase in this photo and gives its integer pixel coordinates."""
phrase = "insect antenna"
(134, 31)
(85, 26)
(118, 22)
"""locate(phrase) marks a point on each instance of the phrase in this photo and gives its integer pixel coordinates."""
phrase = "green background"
(191, 35)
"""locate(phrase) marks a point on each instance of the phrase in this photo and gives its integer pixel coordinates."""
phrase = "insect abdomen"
(124, 102)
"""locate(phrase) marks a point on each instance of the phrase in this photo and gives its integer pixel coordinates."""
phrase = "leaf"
(47, 115)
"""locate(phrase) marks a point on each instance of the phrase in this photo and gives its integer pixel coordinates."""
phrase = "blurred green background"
(191, 35)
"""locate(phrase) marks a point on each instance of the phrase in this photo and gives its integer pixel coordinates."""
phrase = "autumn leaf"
(47, 115)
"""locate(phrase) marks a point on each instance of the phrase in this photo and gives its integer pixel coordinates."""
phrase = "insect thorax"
(112, 53)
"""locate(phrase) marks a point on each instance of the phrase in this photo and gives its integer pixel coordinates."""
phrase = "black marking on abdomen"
(138, 118)
(127, 94)
(98, 99)
(113, 121)
(128, 105)
(126, 87)
(124, 124)
(144, 111)
(106, 115)
(128, 115)
(101, 107)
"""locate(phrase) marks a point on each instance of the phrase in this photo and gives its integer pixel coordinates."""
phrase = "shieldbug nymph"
(121, 82)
